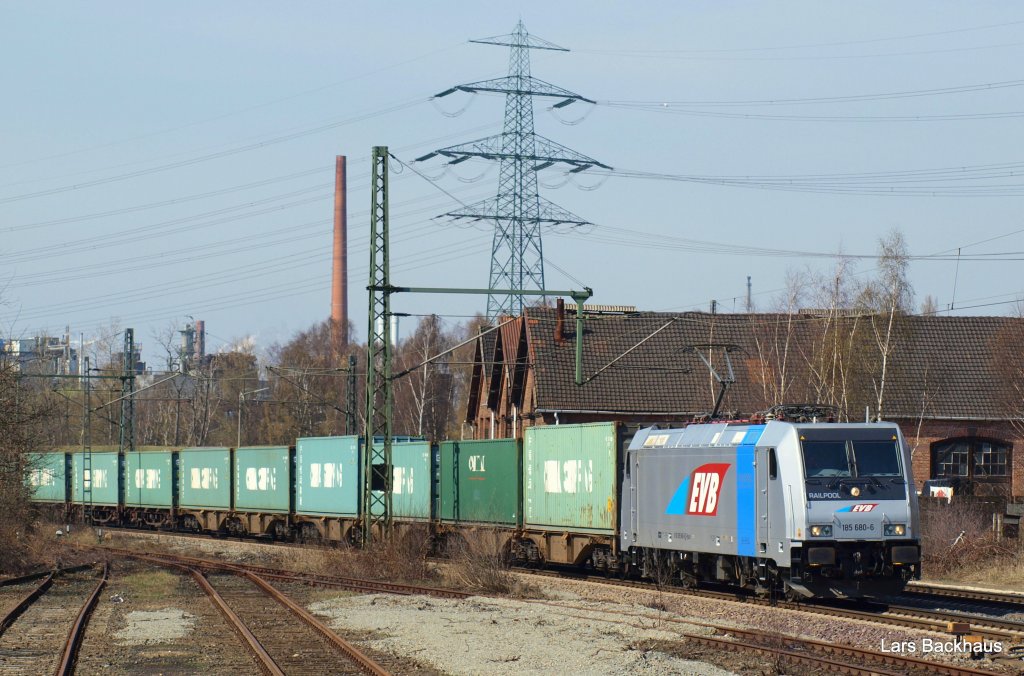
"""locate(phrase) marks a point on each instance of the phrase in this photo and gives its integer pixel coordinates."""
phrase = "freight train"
(809, 510)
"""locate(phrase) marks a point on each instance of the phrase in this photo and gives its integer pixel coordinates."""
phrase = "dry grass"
(957, 544)
(478, 562)
(1002, 570)
(402, 558)
(26, 551)
(148, 586)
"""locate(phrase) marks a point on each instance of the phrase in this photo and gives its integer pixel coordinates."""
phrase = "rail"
(74, 640)
(267, 663)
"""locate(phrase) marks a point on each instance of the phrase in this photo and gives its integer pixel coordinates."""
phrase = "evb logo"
(862, 507)
(700, 492)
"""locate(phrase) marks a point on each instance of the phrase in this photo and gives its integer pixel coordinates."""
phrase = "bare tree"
(887, 298)
(24, 411)
(929, 306)
(832, 339)
(1008, 362)
(774, 340)
(424, 402)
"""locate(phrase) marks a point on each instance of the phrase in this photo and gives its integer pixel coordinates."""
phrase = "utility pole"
(377, 468)
(350, 405)
(86, 439)
(127, 437)
(518, 212)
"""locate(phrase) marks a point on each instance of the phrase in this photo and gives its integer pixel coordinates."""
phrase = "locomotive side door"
(767, 480)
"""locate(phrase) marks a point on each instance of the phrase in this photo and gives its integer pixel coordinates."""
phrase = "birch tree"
(774, 341)
(887, 298)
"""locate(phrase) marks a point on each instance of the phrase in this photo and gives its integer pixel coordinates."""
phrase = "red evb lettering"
(706, 489)
(865, 507)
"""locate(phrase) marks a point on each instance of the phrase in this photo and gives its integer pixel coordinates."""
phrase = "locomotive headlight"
(895, 529)
(820, 531)
(855, 491)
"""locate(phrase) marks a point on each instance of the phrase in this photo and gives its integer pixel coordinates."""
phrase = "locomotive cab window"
(877, 458)
(773, 465)
(826, 459)
(852, 465)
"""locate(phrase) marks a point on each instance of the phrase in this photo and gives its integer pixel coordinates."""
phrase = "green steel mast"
(377, 470)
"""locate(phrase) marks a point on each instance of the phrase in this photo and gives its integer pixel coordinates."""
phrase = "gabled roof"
(645, 363)
(483, 353)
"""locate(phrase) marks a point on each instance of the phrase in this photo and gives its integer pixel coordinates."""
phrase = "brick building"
(954, 384)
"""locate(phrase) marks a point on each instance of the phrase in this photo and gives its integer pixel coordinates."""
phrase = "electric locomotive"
(804, 509)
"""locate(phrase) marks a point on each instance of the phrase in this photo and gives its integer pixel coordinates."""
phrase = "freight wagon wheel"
(454, 544)
(309, 533)
(354, 537)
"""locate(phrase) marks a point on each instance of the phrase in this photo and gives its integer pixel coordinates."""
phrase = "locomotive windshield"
(850, 458)
(877, 458)
(826, 458)
(834, 465)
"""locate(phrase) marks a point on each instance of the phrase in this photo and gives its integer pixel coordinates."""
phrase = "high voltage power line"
(517, 212)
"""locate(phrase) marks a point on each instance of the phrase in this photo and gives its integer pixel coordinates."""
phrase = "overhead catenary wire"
(808, 100)
(844, 43)
(210, 156)
(237, 111)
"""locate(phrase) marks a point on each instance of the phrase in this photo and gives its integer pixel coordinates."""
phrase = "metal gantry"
(377, 460)
(377, 469)
(518, 212)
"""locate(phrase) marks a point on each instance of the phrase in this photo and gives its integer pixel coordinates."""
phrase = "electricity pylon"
(518, 211)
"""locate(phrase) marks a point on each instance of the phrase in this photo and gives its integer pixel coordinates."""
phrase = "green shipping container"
(204, 478)
(263, 479)
(571, 477)
(149, 479)
(104, 479)
(327, 476)
(479, 482)
(413, 465)
(49, 476)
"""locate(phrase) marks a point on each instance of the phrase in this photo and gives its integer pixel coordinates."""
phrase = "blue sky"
(128, 130)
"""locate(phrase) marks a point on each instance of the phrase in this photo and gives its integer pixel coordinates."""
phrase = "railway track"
(791, 651)
(892, 614)
(336, 581)
(44, 630)
(281, 643)
(841, 658)
(794, 652)
(1010, 634)
(1013, 601)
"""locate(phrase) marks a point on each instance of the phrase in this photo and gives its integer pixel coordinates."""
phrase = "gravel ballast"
(491, 636)
(145, 627)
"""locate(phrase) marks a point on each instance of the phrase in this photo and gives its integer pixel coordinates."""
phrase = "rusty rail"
(32, 577)
(11, 616)
(74, 640)
(266, 662)
(365, 663)
(784, 645)
(351, 583)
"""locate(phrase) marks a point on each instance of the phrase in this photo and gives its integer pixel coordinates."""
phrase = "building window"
(971, 458)
(990, 459)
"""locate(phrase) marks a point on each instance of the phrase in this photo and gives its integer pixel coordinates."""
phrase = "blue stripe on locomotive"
(746, 493)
